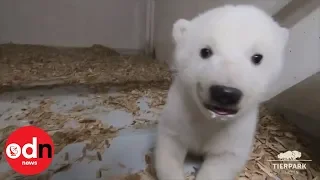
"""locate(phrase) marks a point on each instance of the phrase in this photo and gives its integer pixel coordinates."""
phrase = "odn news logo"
(14, 151)
(29, 150)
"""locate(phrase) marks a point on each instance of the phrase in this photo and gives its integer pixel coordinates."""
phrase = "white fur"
(234, 33)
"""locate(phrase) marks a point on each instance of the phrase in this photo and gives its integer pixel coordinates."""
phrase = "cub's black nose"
(224, 96)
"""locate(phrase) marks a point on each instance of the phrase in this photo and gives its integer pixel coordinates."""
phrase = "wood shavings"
(69, 128)
(95, 135)
(274, 136)
(156, 93)
(27, 66)
(86, 129)
(126, 102)
(143, 123)
(267, 170)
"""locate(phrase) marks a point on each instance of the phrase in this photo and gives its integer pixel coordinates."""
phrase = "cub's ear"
(179, 30)
(284, 35)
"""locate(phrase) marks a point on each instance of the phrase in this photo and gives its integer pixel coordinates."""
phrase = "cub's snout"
(224, 96)
(223, 100)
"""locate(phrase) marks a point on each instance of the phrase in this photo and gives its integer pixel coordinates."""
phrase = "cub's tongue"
(220, 110)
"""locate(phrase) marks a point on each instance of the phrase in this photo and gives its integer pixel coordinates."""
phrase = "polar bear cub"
(225, 58)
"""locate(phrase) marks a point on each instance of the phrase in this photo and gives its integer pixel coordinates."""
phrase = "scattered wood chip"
(78, 108)
(99, 156)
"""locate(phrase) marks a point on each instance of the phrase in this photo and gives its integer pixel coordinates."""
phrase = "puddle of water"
(142, 103)
(74, 152)
(127, 152)
(83, 170)
(66, 103)
(116, 118)
(145, 110)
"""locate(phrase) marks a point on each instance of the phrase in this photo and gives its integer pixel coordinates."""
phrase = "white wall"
(297, 90)
(303, 53)
(168, 11)
(115, 23)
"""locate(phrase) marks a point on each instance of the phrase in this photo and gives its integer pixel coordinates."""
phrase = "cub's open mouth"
(220, 110)
(216, 109)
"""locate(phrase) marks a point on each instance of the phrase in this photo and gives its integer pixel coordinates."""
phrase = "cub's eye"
(256, 59)
(206, 53)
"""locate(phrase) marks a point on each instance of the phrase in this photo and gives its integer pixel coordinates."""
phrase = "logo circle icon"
(29, 150)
